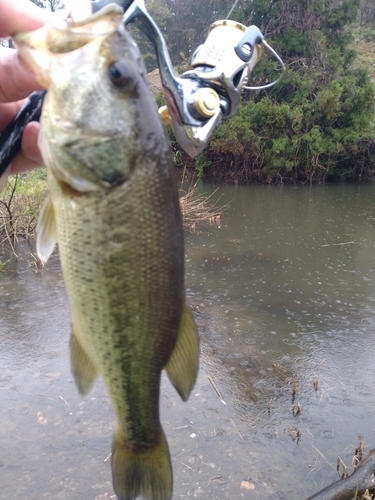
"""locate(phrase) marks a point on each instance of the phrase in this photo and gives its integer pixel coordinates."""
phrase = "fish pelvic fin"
(46, 231)
(182, 366)
(83, 369)
(147, 473)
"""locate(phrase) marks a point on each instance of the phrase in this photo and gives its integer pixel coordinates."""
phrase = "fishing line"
(265, 44)
(231, 10)
(283, 68)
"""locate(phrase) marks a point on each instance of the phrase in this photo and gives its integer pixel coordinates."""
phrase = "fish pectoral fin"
(83, 369)
(146, 473)
(46, 230)
(182, 367)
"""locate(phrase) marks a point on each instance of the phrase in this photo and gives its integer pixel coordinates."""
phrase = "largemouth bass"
(113, 209)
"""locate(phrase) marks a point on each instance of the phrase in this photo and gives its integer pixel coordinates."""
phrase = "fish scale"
(113, 210)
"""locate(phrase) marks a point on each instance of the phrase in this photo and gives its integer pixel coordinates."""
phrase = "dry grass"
(199, 208)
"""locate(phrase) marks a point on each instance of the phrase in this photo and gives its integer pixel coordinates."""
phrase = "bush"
(318, 123)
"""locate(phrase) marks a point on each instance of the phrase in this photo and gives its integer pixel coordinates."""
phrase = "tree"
(188, 25)
(367, 12)
(318, 123)
(52, 5)
(161, 15)
(38, 3)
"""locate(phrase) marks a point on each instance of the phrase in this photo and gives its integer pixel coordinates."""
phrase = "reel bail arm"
(210, 91)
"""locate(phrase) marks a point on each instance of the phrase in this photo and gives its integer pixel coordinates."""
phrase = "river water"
(283, 289)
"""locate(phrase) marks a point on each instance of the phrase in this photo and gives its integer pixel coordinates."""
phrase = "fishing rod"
(196, 101)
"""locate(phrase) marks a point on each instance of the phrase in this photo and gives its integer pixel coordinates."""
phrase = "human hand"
(16, 81)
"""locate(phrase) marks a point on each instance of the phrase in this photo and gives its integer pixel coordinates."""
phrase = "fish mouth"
(52, 50)
(80, 150)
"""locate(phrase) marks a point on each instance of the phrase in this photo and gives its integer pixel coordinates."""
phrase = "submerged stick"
(361, 480)
(211, 380)
(236, 428)
(339, 244)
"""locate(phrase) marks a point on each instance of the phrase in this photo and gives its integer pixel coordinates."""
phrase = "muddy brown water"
(283, 290)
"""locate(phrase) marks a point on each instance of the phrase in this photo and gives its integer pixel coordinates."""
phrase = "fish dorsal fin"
(46, 231)
(182, 367)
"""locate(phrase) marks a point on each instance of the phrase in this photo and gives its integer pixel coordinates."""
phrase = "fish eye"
(121, 75)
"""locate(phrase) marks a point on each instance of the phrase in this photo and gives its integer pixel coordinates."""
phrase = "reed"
(199, 208)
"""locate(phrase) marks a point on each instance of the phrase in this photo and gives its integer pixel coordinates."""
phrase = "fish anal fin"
(83, 369)
(182, 366)
(46, 231)
(146, 473)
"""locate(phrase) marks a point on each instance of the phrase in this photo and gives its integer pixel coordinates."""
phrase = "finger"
(21, 15)
(16, 81)
(8, 111)
(4, 178)
(29, 157)
(21, 163)
(29, 144)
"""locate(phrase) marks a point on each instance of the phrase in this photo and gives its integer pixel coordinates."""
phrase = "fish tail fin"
(182, 366)
(147, 473)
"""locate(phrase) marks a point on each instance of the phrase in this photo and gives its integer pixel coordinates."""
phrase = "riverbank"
(283, 295)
